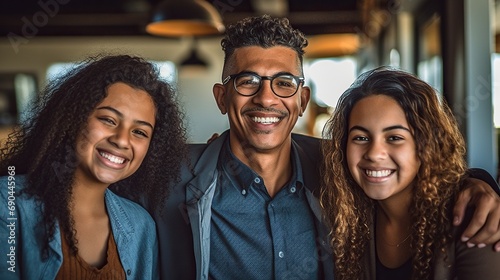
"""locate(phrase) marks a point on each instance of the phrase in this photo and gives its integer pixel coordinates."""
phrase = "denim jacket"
(21, 242)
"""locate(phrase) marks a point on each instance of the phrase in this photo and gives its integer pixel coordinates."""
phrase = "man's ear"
(305, 96)
(219, 92)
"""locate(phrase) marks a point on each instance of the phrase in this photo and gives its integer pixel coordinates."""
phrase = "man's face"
(261, 122)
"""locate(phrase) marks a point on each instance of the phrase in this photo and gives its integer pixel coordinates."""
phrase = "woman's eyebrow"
(392, 127)
(120, 115)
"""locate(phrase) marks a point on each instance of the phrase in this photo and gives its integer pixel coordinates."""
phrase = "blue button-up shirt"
(256, 236)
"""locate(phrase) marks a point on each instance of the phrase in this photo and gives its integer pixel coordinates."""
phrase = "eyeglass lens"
(283, 85)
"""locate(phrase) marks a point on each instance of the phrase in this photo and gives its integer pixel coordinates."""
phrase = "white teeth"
(112, 158)
(380, 173)
(267, 120)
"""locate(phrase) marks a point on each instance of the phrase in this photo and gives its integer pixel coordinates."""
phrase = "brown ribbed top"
(74, 267)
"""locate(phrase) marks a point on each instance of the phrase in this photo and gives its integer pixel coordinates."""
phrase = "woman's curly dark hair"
(44, 147)
(263, 31)
(440, 148)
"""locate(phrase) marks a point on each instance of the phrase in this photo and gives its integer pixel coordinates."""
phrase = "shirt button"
(129, 271)
(281, 254)
(256, 180)
(243, 192)
(293, 189)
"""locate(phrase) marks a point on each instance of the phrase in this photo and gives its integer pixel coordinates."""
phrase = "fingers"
(212, 138)
(463, 200)
(484, 227)
(497, 246)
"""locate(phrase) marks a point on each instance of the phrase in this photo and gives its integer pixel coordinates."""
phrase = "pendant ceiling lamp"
(194, 59)
(176, 18)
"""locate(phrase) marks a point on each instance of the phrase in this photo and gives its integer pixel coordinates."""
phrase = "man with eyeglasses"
(247, 208)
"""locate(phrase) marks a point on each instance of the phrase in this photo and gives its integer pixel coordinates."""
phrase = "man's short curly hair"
(263, 31)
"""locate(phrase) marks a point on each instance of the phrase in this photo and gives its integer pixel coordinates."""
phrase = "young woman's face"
(381, 150)
(117, 137)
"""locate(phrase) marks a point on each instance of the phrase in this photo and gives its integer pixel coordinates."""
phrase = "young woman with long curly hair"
(109, 123)
(394, 164)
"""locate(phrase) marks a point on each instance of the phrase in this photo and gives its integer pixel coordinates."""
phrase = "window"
(328, 79)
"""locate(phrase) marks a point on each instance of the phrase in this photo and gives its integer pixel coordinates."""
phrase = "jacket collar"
(205, 169)
(121, 224)
(208, 162)
(55, 244)
(310, 168)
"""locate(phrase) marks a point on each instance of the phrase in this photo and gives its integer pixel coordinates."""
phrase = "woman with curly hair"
(394, 163)
(109, 123)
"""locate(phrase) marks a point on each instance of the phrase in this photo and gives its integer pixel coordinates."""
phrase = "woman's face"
(117, 137)
(381, 150)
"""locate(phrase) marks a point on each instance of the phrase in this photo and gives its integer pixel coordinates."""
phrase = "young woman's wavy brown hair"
(44, 147)
(441, 150)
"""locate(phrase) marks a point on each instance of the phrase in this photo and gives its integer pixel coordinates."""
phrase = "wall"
(195, 87)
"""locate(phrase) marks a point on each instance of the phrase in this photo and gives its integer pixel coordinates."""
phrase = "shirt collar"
(244, 177)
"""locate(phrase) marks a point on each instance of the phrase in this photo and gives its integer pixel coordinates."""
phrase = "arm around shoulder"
(486, 177)
(474, 263)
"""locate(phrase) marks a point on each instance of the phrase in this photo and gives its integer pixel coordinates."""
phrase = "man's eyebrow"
(120, 115)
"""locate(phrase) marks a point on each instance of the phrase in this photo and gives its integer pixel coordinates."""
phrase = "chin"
(376, 196)
(109, 179)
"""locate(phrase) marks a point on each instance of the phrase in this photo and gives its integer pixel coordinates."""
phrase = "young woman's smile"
(381, 150)
(117, 136)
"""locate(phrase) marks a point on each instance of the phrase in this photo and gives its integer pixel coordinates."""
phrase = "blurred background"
(451, 44)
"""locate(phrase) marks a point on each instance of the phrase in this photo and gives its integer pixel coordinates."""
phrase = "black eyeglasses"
(248, 83)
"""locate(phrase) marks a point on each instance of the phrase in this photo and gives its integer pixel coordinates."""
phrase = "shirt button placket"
(278, 239)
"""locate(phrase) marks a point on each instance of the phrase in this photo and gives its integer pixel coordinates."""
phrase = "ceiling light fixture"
(193, 59)
(332, 45)
(172, 18)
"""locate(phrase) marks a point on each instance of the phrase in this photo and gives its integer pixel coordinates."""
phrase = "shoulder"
(302, 139)
(123, 208)
(16, 180)
(197, 151)
(201, 156)
(12, 187)
(309, 148)
(307, 143)
(472, 263)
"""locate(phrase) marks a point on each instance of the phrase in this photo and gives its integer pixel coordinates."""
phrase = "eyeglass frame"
(226, 80)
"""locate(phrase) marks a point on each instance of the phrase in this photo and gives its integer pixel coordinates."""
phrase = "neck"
(393, 229)
(396, 220)
(393, 220)
(393, 214)
(88, 198)
(392, 238)
(274, 166)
